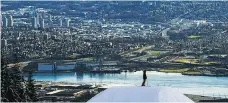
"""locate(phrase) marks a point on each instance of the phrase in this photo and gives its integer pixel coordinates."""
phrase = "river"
(199, 85)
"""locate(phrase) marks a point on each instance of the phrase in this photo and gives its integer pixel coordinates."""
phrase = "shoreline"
(205, 75)
(190, 73)
(100, 72)
(183, 72)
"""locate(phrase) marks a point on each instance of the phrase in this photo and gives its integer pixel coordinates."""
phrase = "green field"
(74, 55)
(191, 73)
(155, 52)
(174, 70)
(194, 36)
(185, 71)
(209, 63)
(143, 49)
(138, 50)
(186, 60)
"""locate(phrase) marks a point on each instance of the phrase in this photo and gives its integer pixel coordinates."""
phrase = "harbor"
(78, 66)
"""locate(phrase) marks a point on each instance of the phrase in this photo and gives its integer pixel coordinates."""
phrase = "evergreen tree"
(30, 88)
(6, 96)
(19, 84)
(12, 83)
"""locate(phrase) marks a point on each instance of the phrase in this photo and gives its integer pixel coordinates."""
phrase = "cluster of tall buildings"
(39, 21)
(66, 22)
(7, 21)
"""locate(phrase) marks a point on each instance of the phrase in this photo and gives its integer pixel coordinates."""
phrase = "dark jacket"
(144, 75)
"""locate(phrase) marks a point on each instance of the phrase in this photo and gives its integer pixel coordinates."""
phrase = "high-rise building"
(49, 17)
(34, 22)
(42, 23)
(50, 20)
(60, 22)
(67, 22)
(3, 42)
(42, 14)
(38, 19)
(5, 21)
(10, 20)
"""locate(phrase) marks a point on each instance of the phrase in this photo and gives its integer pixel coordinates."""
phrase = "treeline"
(14, 88)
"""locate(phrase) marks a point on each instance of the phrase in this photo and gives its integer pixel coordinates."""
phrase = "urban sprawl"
(111, 37)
